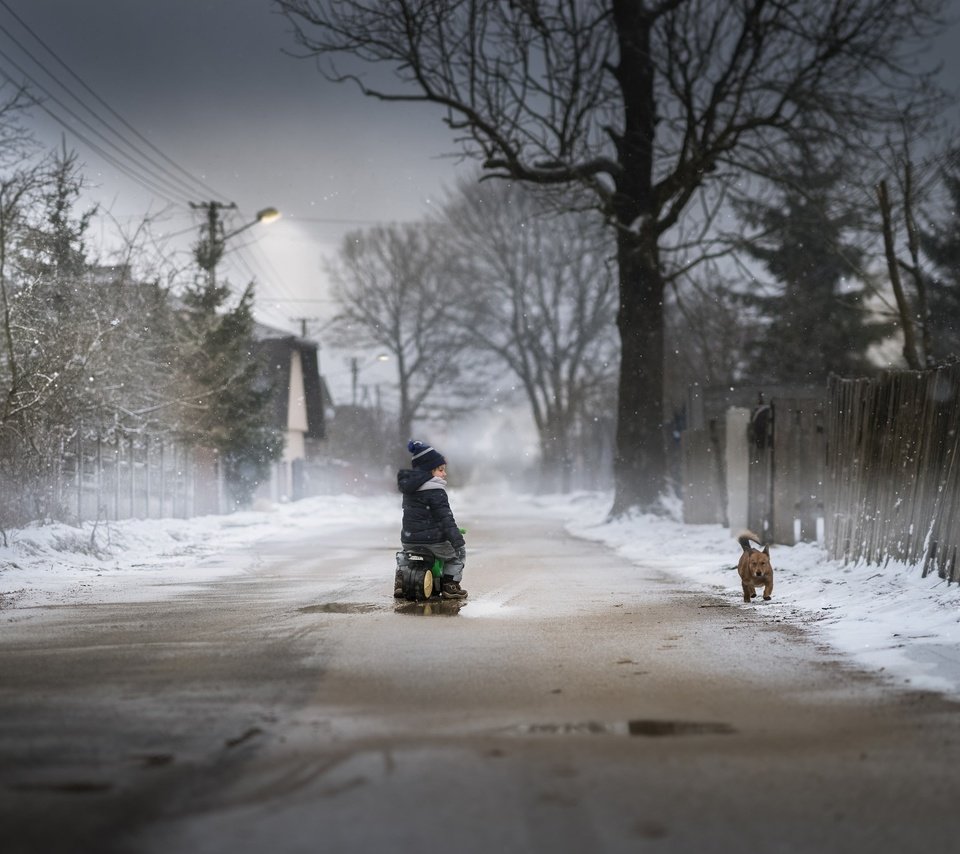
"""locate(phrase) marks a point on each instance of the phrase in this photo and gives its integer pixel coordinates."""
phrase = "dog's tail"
(745, 537)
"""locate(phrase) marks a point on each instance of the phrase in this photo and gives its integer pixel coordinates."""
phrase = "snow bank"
(133, 559)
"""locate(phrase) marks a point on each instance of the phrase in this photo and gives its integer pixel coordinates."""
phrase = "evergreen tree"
(55, 250)
(229, 407)
(812, 320)
(942, 245)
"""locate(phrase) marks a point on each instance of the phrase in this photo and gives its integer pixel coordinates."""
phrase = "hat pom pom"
(415, 447)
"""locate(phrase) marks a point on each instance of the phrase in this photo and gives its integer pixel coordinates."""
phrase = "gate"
(756, 458)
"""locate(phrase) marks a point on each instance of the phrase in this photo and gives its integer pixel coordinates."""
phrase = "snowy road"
(576, 703)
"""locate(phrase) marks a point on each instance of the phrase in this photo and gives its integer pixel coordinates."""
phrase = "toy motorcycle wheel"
(417, 582)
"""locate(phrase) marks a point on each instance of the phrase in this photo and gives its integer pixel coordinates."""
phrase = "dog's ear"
(766, 550)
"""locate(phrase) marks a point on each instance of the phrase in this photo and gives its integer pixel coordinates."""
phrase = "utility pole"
(303, 321)
(209, 248)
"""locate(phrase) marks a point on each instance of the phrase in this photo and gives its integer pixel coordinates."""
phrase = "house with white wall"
(292, 370)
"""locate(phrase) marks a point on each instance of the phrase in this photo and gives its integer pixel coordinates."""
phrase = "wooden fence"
(759, 468)
(703, 474)
(870, 469)
(787, 472)
(894, 478)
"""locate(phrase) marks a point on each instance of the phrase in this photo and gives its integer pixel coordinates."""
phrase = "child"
(428, 521)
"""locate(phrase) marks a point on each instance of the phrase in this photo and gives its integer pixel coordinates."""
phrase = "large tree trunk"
(639, 452)
(639, 463)
(556, 457)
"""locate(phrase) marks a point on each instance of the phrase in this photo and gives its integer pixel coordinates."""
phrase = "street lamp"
(266, 216)
(211, 246)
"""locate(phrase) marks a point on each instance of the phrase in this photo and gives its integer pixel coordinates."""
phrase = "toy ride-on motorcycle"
(418, 573)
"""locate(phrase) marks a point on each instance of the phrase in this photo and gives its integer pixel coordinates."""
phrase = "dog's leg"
(768, 590)
(747, 593)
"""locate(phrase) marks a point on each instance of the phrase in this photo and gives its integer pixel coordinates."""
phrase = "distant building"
(292, 370)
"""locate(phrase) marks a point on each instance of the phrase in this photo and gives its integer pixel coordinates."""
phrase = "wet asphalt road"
(574, 704)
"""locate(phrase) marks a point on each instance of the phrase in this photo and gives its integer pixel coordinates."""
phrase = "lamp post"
(212, 243)
(355, 373)
(266, 216)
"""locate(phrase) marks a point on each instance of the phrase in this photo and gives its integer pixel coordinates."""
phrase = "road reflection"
(431, 608)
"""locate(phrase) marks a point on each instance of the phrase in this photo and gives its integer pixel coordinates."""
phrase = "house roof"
(277, 353)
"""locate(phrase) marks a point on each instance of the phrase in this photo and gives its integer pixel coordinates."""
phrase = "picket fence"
(894, 477)
(109, 477)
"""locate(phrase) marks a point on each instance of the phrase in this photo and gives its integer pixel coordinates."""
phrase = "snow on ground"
(134, 559)
(886, 619)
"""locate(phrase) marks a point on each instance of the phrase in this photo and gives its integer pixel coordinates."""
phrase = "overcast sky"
(207, 82)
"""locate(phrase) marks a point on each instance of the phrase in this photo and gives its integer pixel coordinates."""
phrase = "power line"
(333, 220)
(254, 257)
(138, 166)
(303, 321)
(337, 221)
(144, 182)
(264, 274)
(176, 182)
(304, 299)
(192, 181)
(155, 181)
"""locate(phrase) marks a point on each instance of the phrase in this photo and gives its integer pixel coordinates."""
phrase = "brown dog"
(754, 567)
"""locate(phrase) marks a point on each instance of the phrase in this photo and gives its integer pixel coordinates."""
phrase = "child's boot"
(452, 590)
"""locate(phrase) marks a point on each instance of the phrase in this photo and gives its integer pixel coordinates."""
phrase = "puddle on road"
(68, 787)
(639, 727)
(340, 608)
(153, 760)
(657, 728)
(253, 732)
(432, 608)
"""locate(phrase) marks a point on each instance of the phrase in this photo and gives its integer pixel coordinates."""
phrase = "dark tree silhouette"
(941, 242)
(812, 320)
(644, 102)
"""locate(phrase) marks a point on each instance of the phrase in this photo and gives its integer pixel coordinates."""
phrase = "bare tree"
(538, 292)
(52, 328)
(15, 193)
(640, 101)
(19, 188)
(391, 286)
(706, 332)
(908, 184)
(85, 349)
